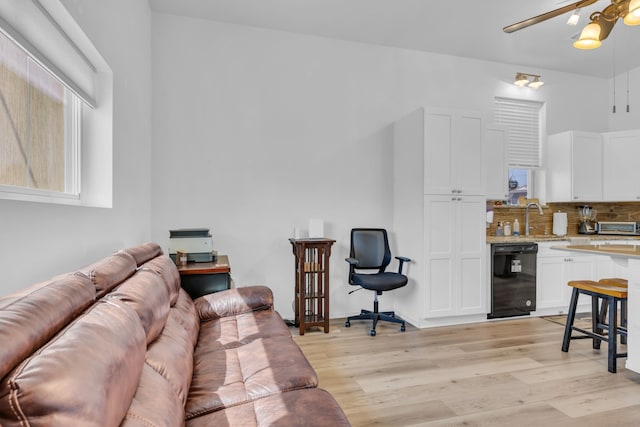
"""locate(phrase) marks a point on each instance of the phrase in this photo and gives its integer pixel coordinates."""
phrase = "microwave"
(618, 227)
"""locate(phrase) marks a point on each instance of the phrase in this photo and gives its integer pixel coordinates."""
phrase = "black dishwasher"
(513, 279)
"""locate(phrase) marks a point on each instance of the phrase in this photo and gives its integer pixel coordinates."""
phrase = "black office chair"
(370, 251)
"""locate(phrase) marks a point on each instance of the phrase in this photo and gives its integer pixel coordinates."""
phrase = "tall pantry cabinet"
(439, 214)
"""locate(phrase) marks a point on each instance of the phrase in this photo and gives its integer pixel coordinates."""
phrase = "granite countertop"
(626, 251)
(553, 238)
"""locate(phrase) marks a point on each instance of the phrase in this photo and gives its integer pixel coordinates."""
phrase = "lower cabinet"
(454, 255)
(555, 269)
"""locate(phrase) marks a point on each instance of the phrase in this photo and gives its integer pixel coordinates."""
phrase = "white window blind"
(523, 120)
(45, 30)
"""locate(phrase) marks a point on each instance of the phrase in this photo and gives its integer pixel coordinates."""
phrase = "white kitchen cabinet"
(454, 231)
(452, 152)
(554, 270)
(621, 154)
(443, 232)
(496, 164)
(574, 167)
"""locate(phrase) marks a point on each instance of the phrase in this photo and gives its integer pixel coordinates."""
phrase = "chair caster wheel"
(347, 324)
(402, 328)
(372, 333)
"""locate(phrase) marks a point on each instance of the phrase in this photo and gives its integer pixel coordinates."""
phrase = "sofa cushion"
(312, 407)
(29, 318)
(144, 252)
(155, 403)
(186, 315)
(147, 294)
(110, 271)
(85, 376)
(234, 301)
(234, 331)
(169, 273)
(263, 367)
(171, 355)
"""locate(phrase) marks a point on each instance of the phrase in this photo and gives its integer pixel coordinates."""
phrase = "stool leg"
(623, 319)
(571, 315)
(613, 334)
(596, 318)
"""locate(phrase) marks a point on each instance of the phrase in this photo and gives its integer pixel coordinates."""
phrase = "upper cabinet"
(496, 163)
(574, 167)
(452, 152)
(621, 154)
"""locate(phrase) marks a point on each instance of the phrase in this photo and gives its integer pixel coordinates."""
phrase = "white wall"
(623, 91)
(256, 131)
(39, 240)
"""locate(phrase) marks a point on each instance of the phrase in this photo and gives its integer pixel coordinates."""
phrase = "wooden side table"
(312, 282)
(201, 278)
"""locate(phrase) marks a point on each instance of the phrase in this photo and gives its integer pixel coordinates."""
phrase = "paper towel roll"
(560, 223)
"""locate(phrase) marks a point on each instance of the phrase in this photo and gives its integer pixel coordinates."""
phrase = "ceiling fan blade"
(548, 15)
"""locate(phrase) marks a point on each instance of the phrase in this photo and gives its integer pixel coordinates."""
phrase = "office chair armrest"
(402, 260)
(352, 261)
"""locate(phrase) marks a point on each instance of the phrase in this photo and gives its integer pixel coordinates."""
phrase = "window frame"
(89, 154)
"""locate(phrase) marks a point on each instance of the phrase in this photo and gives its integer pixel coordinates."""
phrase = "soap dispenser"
(516, 227)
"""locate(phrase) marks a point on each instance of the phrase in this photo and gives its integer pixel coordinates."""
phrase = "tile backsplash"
(543, 224)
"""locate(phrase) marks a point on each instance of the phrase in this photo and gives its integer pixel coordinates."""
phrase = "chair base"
(387, 316)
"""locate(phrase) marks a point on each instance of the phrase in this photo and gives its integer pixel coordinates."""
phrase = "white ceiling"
(468, 28)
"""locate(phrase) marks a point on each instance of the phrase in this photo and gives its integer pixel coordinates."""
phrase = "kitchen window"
(525, 122)
(56, 108)
(523, 119)
(39, 127)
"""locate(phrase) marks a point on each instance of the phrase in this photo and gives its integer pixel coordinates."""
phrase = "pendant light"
(633, 14)
(590, 37)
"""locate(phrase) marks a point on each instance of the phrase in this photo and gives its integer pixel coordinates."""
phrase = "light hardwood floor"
(502, 373)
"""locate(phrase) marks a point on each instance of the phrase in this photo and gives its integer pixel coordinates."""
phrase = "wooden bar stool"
(621, 283)
(610, 296)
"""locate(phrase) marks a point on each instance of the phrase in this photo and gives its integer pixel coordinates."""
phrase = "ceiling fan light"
(589, 38)
(633, 15)
(521, 80)
(536, 83)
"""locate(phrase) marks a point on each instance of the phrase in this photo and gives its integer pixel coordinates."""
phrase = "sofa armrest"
(234, 301)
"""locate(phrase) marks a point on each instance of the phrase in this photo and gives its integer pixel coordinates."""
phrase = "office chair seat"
(370, 252)
(386, 281)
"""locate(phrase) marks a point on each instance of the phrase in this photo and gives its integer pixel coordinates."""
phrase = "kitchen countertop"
(626, 251)
(552, 238)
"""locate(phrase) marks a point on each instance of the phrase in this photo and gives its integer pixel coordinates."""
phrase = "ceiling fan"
(600, 25)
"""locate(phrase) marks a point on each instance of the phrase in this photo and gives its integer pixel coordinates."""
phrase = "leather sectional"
(120, 343)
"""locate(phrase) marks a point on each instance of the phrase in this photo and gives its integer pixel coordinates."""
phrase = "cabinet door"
(587, 164)
(621, 153)
(470, 235)
(550, 289)
(574, 167)
(467, 157)
(495, 165)
(579, 268)
(452, 152)
(454, 252)
(438, 142)
(439, 241)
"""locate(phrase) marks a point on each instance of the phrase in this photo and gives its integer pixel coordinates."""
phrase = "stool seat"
(600, 288)
(611, 292)
(615, 281)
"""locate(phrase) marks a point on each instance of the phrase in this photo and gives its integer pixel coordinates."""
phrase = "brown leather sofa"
(120, 343)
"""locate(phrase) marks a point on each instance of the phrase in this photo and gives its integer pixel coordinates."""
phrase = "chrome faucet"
(526, 216)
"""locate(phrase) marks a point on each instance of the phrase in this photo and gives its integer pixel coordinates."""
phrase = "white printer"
(196, 242)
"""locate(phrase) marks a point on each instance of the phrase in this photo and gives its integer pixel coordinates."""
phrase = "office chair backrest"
(370, 246)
